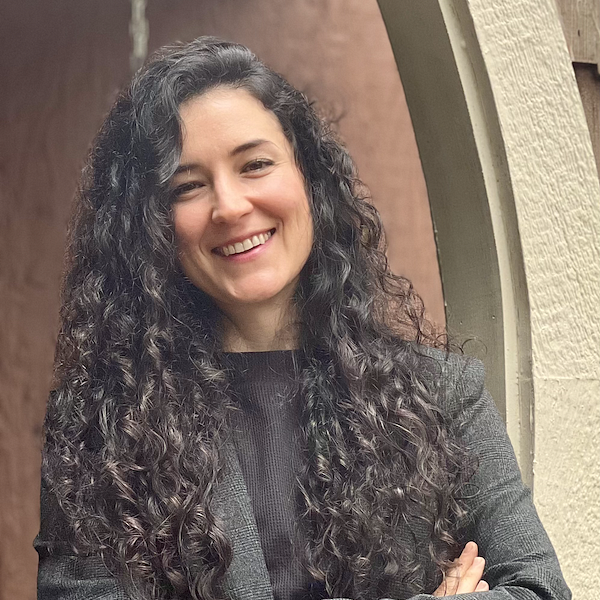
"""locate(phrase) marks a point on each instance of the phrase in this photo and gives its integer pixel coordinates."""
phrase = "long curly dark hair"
(139, 415)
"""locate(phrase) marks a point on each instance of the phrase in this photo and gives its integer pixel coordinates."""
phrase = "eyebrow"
(237, 150)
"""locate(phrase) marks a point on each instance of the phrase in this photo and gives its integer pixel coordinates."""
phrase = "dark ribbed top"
(265, 386)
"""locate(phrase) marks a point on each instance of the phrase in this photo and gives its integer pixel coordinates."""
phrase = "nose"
(230, 201)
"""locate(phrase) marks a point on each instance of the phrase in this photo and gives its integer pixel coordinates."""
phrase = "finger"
(466, 558)
(470, 549)
(471, 577)
(483, 586)
(462, 565)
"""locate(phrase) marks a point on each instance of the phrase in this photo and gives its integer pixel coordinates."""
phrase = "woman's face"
(242, 219)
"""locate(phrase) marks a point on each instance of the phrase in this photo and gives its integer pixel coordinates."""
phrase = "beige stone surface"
(556, 190)
(557, 194)
(508, 63)
(567, 479)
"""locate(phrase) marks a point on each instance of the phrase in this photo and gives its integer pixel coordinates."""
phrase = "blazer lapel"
(247, 577)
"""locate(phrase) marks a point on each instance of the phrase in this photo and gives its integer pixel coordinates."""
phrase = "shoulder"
(455, 379)
(456, 385)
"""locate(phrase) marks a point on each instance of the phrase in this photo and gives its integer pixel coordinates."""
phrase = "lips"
(243, 245)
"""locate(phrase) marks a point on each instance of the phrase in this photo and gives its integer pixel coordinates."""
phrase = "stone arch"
(514, 198)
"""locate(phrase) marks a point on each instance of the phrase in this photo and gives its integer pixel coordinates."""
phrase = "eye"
(258, 164)
(186, 187)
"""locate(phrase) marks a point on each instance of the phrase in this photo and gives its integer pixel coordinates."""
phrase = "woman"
(244, 406)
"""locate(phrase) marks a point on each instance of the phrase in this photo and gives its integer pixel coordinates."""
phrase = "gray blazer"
(520, 561)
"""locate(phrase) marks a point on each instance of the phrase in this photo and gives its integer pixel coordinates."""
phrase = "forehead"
(227, 112)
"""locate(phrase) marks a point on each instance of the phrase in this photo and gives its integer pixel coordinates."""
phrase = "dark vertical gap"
(588, 81)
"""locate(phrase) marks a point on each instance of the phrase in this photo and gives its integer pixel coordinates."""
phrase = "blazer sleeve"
(62, 575)
(520, 560)
(67, 577)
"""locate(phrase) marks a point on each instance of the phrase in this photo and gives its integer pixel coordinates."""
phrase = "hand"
(465, 574)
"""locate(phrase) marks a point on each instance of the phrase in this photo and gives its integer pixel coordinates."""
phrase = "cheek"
(295, 205)
(304, 220)
(189, 226)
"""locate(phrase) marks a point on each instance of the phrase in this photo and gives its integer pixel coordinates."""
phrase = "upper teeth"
(255, 240)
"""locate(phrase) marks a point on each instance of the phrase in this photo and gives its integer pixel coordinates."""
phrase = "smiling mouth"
(245, 245)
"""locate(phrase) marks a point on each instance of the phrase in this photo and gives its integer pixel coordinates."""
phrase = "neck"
(259, 328)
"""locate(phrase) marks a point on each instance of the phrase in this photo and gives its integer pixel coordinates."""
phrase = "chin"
(255, 299)
(262, 295)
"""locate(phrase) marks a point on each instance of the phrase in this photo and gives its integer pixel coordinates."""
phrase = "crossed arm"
(508, 551)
